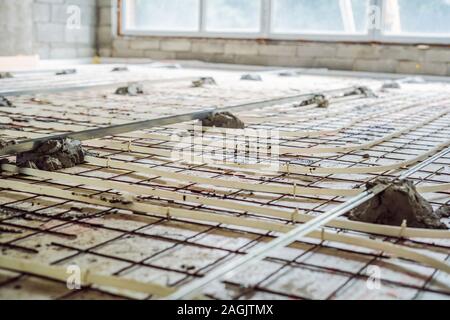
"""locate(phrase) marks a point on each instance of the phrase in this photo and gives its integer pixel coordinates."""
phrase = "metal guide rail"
(89, 85)
(31, 144)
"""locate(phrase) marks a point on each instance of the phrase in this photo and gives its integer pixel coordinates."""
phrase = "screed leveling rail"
(189, 290)
(29, 145)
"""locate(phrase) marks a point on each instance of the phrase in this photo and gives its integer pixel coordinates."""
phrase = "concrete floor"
(151, 246)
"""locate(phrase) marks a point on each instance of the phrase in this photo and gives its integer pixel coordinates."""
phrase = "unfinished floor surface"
(151, 211)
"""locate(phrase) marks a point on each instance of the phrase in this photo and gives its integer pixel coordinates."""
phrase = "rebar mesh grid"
(172, 252)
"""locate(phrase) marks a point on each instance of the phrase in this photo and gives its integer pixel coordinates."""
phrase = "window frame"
(372, 35)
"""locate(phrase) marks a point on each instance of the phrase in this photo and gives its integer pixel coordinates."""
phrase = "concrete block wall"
(389, 58)
(53, 39)
(16, 27)
(40, 27)
(106, 27)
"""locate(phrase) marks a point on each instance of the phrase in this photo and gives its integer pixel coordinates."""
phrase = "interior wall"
(389, 58)
(405, 59)
(40, 27)
(57, 35)
(48, 28)
(16, 27)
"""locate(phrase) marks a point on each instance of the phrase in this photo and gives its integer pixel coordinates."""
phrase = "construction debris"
(53, 155)
(66, 72)
(443, 212)
(133, 89)
(288, 74)
(391, 85)
(319, 99)
(365, 91)
(251, 77)
(223, 120)
(5, 143)
(119, 199)
(5, 103)
(120, 69)
(6, 75)
(398, 203)
(204, 81)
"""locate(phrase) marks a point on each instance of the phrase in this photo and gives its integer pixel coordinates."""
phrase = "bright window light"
(320, 16)
(163, 15)
(417, 17)
(402, 21)
(233, 15)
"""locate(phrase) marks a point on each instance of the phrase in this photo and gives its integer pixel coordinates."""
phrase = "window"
(320, 16)
(233, 15)
(417, 17)
(162, 15)
(416, 21)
